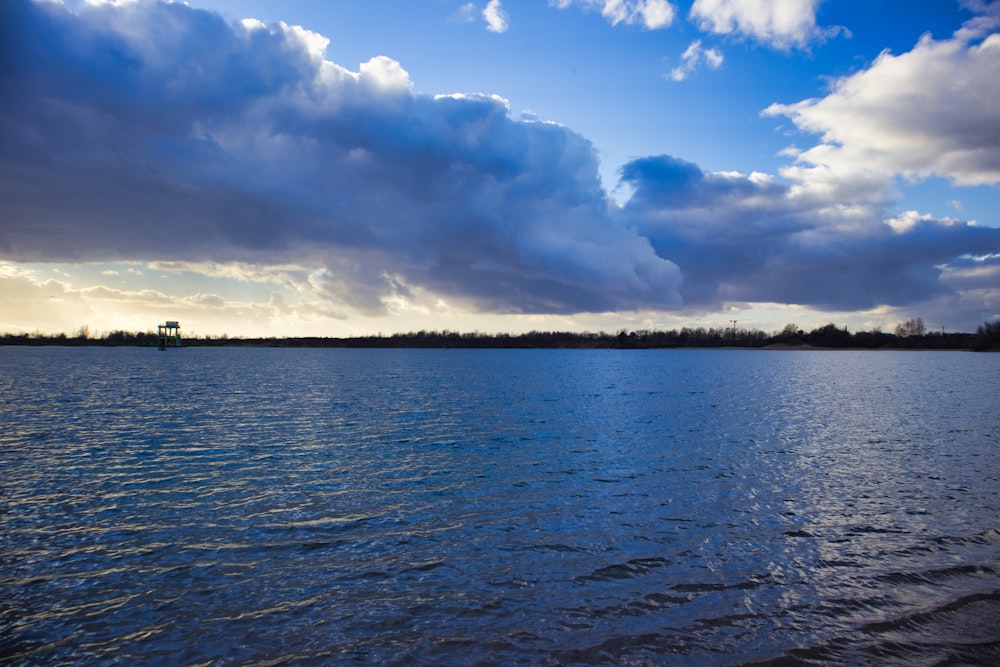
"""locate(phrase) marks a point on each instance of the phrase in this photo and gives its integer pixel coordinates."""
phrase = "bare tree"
(911, 327)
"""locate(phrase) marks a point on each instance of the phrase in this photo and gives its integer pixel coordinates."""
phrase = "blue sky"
(304, 168)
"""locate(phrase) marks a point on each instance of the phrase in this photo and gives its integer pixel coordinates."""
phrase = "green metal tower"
(168, 334)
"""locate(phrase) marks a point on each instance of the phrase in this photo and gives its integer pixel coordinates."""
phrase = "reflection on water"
(507, 507)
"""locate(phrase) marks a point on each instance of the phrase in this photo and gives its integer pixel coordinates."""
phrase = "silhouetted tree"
(830, 335)
(911, 327)
(987, 336)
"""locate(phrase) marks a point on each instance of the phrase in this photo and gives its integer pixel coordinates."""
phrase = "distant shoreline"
(826, 338)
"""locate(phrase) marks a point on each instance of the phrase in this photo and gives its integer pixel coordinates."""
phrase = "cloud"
(466, 13)
(55, 305)
(750, 238)
(650, 14)
(495, 16)
(694, 56)
(157, 132)
(826, 236)
(929, 112)
(783, 25)
(975, 272)
(384, 74)
(60, 306)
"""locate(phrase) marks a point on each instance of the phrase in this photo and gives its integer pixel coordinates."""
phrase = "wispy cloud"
(650, 14)
(692, 58)
(467, 13)
(59, 305)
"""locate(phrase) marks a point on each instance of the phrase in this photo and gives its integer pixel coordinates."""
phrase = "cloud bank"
(156, 132)
(159, 132)
(740, 238)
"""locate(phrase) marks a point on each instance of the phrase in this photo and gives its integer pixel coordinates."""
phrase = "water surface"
(355, 507)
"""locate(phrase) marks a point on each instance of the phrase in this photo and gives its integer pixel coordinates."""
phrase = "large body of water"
(462, 507)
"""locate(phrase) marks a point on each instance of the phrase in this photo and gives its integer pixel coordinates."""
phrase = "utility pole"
(734, 328)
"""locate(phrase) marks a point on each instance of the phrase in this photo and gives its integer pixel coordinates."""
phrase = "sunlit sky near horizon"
(300, 168)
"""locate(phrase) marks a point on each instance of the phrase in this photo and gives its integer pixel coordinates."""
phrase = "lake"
(536, 507)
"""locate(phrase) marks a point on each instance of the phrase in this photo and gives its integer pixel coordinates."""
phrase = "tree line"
(912, 334)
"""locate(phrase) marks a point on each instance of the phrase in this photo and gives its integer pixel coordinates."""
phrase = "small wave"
(963, 631)
(662, 599)
(798, 533)
(873, 530)
(983, 607)
(557, 547)
(620, 650)
(936, 576)
(424, 567)
(706, 587)
(991, 536)
(634, 568)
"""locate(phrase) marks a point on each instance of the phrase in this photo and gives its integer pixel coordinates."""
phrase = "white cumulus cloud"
(932, 111)
(782, 24)
(385, 73)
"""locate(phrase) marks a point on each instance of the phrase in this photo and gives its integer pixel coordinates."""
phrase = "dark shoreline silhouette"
(987, 337)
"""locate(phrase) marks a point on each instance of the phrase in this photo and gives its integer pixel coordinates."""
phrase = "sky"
(300, 168)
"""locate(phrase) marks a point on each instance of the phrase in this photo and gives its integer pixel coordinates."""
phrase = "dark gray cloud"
(160, 132)
(748, 238)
